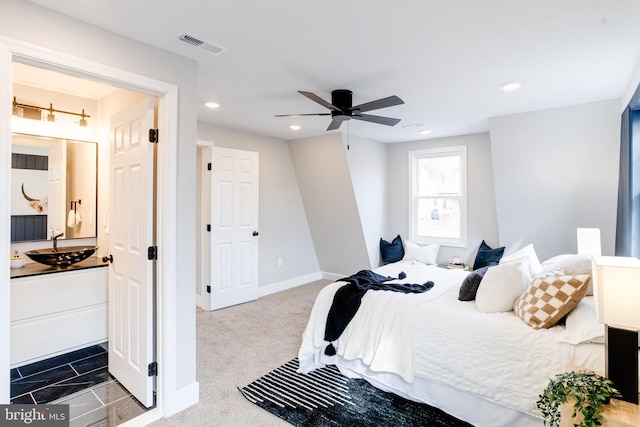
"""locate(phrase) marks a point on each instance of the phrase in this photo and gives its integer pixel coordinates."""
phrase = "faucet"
(55, 241)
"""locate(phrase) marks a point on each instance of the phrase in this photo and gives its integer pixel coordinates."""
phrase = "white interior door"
(234, 227)
(131, 339)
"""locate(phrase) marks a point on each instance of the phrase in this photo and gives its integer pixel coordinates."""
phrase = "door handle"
(107, 258)
(255, 233)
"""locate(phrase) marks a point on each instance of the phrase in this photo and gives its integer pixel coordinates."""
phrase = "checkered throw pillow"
(549, 299)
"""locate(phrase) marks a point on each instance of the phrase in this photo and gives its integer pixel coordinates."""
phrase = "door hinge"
(209, 166)
(209, 227)
(152, 253)
(153, 135)
(208, 289)
(152, 369)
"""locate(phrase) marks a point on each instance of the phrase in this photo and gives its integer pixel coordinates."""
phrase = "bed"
(485, 368)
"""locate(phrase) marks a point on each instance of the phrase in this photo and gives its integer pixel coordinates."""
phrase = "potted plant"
(586, 390)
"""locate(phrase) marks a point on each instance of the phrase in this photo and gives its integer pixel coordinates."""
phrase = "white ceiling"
(445, 59)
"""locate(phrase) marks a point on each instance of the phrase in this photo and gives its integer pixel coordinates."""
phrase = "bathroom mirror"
(53, 188)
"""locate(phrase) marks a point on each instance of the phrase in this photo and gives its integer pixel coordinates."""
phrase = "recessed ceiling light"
(425, 131)
(211, 105)
(294, 127)
(510, 86)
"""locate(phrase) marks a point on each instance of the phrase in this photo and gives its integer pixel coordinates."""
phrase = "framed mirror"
(53, 188)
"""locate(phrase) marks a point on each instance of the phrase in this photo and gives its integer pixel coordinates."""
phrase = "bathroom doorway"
(57, 377)
(166, 216)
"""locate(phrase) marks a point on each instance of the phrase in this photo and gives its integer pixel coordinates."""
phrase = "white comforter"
(436, 337)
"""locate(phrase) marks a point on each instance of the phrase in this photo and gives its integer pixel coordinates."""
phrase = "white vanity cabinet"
(56, 313)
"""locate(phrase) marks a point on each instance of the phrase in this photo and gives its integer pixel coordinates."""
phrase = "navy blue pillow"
(391, 252)
(487, 256)
(470, 284)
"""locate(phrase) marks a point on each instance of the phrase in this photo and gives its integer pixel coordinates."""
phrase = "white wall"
(481, 213)
(556, 170)
(284, 231)
(38, 26)
(330, 204)
(368, 167)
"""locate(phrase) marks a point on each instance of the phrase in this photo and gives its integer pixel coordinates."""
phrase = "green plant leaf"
(589, 391)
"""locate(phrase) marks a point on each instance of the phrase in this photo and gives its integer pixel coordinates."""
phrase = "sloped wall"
(330, 204)
(367, 161)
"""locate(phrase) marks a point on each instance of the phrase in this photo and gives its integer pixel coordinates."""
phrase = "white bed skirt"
(463, 405)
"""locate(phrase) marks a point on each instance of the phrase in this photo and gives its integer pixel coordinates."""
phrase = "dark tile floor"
(80, 379)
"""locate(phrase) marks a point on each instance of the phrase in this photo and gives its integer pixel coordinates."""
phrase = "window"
(438, 196)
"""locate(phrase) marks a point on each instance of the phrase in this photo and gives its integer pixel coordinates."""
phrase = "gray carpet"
(326, 398)
(238, 344)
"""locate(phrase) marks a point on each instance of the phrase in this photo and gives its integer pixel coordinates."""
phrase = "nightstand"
(618, 413)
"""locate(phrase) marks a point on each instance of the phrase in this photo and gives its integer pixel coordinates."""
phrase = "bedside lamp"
(616, 288)
(589, 241)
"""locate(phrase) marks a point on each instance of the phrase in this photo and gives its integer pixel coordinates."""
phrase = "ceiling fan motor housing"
(343, 99)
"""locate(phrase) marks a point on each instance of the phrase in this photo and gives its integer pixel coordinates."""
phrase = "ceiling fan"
(342, 109)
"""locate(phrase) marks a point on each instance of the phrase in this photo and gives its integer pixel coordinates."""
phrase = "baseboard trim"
(288, 284)
(333, 276)
(182, 399)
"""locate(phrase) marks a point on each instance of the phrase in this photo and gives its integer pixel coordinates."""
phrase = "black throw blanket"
(346, 300)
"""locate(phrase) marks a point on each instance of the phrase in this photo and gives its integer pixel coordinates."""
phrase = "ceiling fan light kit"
(342, 108)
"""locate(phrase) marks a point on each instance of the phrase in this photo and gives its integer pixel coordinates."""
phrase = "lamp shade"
(589, 241)
(616, 288)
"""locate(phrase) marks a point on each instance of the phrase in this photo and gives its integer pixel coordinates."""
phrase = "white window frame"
(414, 158)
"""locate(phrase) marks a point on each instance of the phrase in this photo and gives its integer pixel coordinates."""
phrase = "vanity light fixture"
(510, 86)
(83, 121)
(35, 113)
(51, 117)
(212, 105)
(294, 127)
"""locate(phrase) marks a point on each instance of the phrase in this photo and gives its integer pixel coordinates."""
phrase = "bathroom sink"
(61, 257)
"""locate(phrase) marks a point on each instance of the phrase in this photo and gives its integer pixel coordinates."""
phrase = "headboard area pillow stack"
(541, 294)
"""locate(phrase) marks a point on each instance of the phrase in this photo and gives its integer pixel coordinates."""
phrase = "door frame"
(166, 277)
(203, 205)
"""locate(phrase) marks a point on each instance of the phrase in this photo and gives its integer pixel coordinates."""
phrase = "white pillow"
(426, 254)
(501, 286)
(527, 253)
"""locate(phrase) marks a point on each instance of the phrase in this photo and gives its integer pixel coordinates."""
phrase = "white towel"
(78, 218)
(71, 221)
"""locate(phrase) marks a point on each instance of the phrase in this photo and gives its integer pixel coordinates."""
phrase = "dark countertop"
(36, 269)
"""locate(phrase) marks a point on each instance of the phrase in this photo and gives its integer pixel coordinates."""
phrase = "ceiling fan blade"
(389, 101)
(377, 119)
(336, 122)
(316, 98)
(302, 115)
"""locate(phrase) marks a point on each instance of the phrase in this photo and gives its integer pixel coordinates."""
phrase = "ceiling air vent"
(201, 44)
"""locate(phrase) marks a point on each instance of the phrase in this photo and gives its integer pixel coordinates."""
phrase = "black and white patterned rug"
(325, 397)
